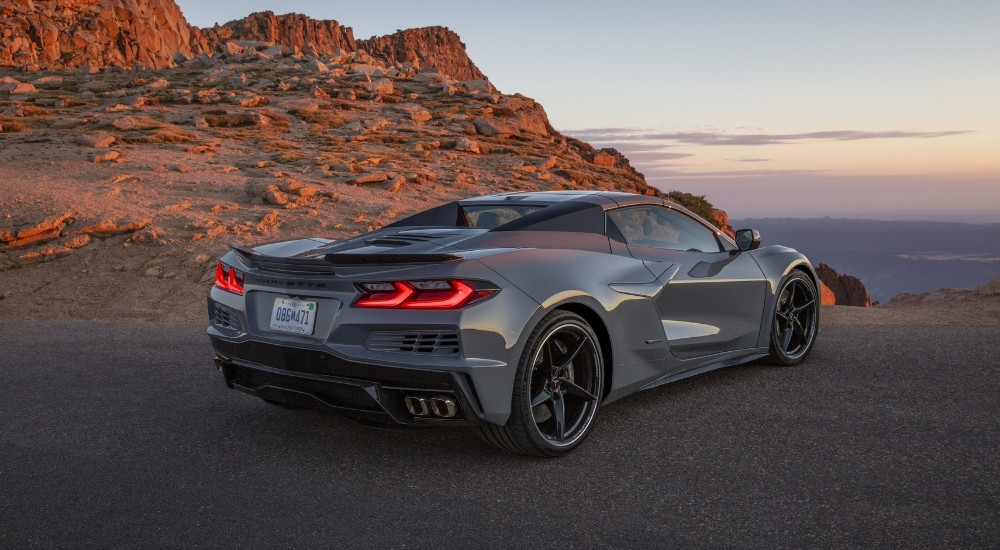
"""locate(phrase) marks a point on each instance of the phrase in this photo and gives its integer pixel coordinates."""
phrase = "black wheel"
(557, 389)
(796, 320)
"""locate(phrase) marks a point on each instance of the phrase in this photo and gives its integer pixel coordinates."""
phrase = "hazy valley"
(891, 257)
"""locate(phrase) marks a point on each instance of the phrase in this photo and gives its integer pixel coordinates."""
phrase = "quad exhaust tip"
(441, 406)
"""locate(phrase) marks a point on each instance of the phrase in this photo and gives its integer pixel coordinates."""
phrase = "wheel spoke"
(805, 306)
(580, 343)
(799, 329)
(576, 390)
(559, 415)
(547, 358)
(787, 338)
(542, 397)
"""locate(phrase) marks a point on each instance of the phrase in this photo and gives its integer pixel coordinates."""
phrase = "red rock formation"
(436, 47)
(846, 290)
(827, 298)
(73, 33)
(312, 36)
(53, 34)
(721, 219)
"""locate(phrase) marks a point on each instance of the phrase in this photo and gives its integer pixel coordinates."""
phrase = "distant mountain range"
(891, 257)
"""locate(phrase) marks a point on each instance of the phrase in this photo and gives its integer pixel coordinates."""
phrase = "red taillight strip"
(227, 279)
(221, 280)
(412, 295)
(387, 299)
(235, 282)
(457, 296)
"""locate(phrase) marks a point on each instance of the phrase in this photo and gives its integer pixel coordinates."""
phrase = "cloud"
(979, 258)
(650, 155)
(627, 135)
(658, 174)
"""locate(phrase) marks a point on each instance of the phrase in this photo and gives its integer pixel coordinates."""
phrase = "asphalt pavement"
(123, 435)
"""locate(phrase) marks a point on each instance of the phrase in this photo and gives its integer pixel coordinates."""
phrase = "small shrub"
(695, 203)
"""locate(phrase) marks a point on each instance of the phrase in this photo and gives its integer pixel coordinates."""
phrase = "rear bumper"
(366, 392)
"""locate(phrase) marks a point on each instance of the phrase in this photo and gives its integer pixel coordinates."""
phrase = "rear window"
(568, 216)
(490, 216)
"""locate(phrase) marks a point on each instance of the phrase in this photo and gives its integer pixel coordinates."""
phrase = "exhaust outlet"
(417, 406)
(443, 406)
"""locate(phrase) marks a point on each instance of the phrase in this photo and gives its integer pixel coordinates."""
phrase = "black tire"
(557, 389)
(796, 320)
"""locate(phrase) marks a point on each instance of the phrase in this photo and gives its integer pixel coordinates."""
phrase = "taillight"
(437, 294)
(228, 278)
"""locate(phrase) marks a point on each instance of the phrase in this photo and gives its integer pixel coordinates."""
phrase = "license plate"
(295, 316)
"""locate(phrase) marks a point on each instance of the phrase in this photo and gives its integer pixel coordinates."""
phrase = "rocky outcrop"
(721, 219)
(827, 298)
(845, 290)
(987, 291)
(102, 33)
(133, 34)
(311, 36)
(436, 47)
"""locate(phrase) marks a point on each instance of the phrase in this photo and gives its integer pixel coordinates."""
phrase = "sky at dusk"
(878, 109)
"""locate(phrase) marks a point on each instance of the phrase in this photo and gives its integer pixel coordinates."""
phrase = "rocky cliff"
(841, 290)
(62, 34)
(310, 36)
(101, 33)
(436, 47)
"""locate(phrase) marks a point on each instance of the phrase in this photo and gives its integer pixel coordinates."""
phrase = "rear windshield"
(572, 216)
(487, 216)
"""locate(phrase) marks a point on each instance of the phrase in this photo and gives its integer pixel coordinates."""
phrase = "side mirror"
(747, 239)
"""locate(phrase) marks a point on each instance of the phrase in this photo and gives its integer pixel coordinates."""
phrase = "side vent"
(423, 342)
(226, 319)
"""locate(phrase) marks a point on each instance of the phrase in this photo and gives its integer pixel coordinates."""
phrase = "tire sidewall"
(778, 355)
(521, 406)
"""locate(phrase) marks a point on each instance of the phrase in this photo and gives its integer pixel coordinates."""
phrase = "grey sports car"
(519, 314)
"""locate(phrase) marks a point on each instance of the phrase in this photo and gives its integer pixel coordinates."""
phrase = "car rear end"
(381, 337)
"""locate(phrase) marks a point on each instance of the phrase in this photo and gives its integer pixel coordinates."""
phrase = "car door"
(712, 298)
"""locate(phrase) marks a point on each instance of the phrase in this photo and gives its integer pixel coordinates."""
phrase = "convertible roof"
(571, 211)
(550, 197)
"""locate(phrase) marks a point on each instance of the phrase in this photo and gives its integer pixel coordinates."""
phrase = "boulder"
(382, 86)
(604, 160)
(98, 140)
(315, 66)
(846, 289)
(468, 145)
(415, 112)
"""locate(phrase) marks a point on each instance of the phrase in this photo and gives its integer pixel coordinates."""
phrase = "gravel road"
(120, 435)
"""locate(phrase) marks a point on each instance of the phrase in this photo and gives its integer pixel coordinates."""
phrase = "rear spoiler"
(348, 260)
(299, 266)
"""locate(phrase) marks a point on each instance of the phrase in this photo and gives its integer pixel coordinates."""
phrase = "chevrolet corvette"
(518, 314)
